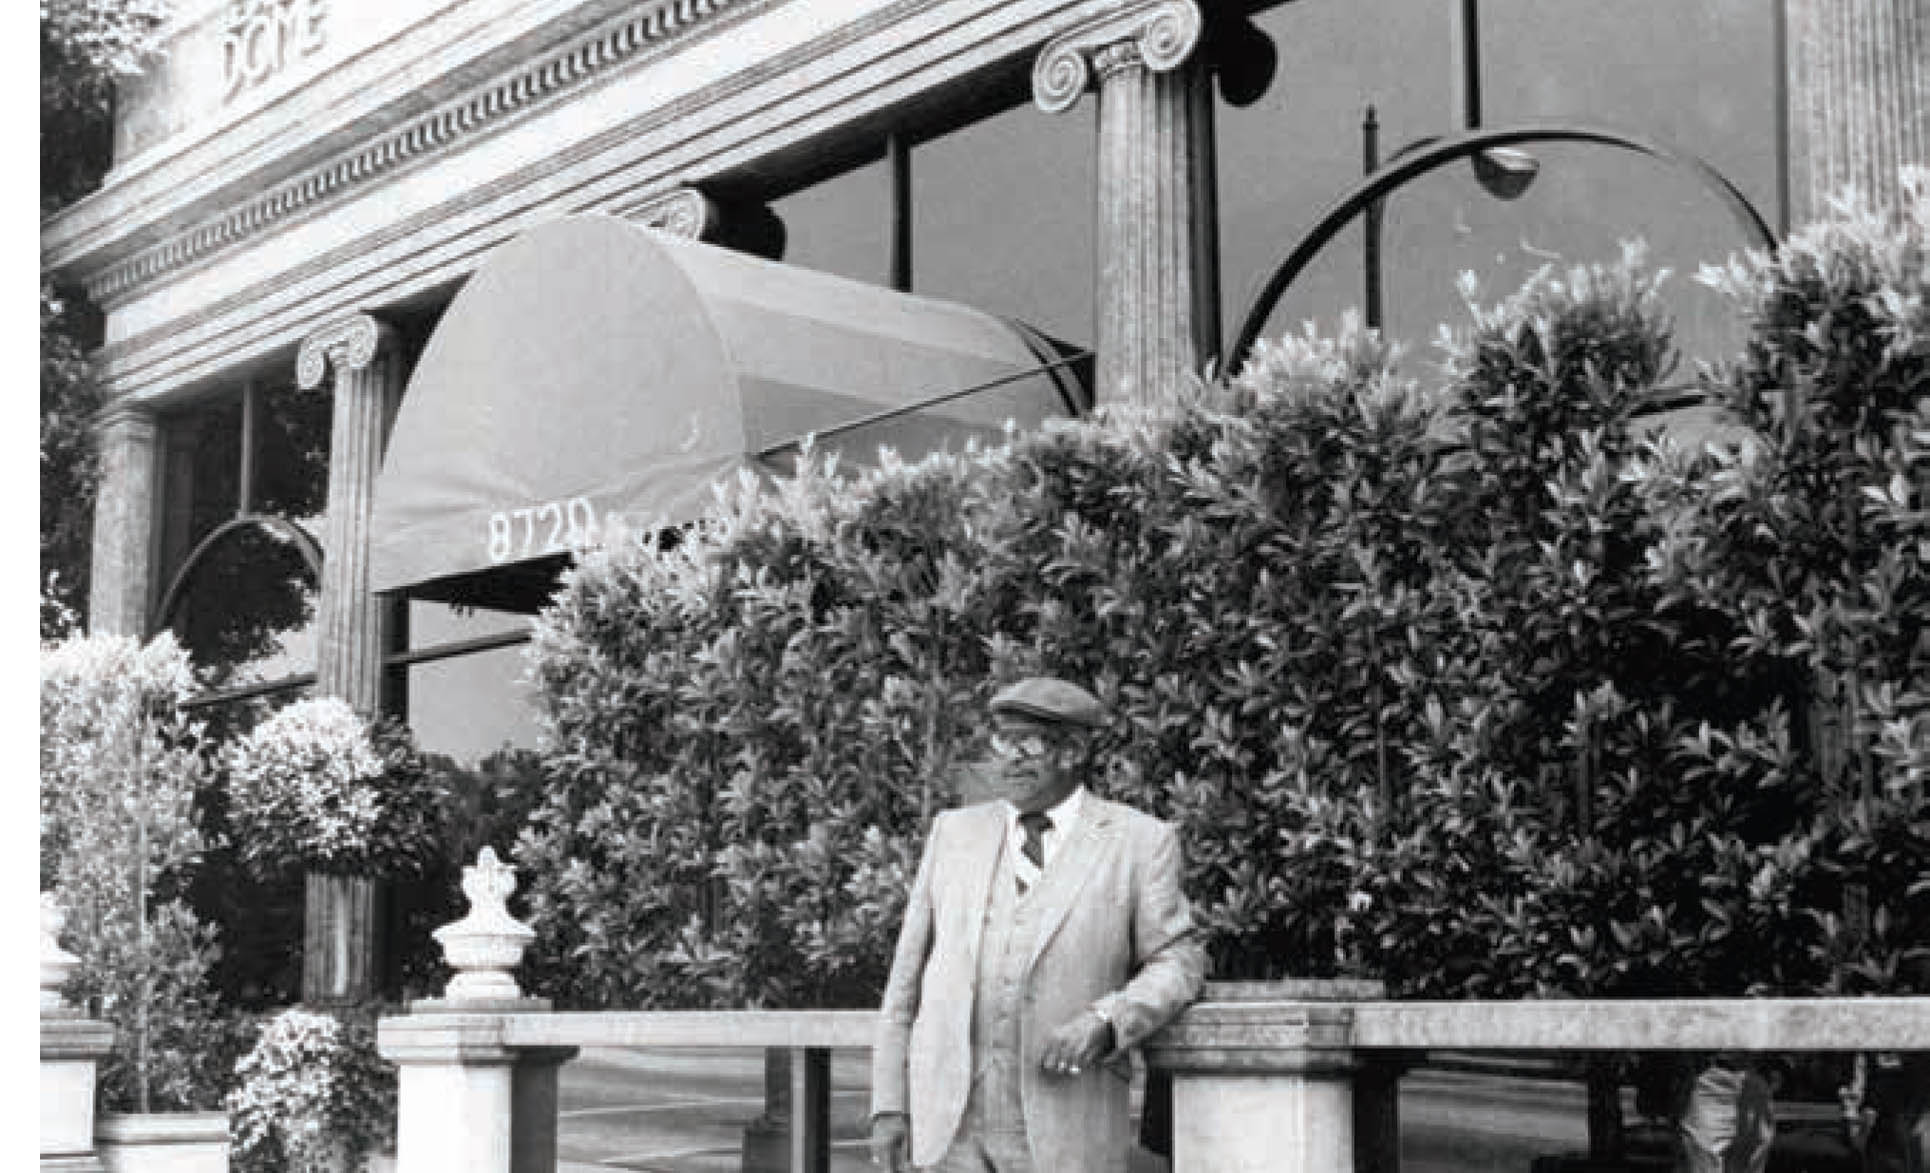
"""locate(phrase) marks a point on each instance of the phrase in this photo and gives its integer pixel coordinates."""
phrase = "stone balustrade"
(1286, 1077)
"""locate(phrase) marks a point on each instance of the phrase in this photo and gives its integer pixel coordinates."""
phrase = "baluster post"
(468, 1099)
(71, 1048)
(1264, 1079)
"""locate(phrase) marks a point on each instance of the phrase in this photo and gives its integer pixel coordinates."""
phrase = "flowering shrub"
(311, 1097)
(120, 768)
(314, 786)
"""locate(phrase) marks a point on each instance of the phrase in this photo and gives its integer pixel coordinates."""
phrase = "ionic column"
(1157, 248)
(1859, 98)
(350, 637)
(121, 579)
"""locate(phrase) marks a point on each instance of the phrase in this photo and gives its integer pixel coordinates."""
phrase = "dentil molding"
(538, 83)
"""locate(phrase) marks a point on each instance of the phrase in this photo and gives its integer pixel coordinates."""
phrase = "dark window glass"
(245, 609)
(1700, 78)
(291, 454)
(202, 486)
(841, 225)
(472, 705)
(1002, 218)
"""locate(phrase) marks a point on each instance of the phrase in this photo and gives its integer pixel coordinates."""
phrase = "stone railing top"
(1253, 1024)
(1668, 1024)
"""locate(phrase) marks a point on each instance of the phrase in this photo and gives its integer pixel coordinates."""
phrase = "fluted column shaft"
(1157, 281)
(350, 631)
(1859, 95)
(121, 579)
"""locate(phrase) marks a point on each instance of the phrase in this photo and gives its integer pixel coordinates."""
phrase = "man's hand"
(1078, 1045)
(890, 1141)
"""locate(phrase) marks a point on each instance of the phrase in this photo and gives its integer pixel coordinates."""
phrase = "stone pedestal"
(1859, 98)
(1156, 242)
(465, 1100)
(121, 581)
(1263, 1084)
(164, 1142)
(71, 1048)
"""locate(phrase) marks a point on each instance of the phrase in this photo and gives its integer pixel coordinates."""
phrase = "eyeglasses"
(1030, 745)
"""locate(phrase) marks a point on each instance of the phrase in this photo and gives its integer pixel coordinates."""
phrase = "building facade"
(306, 192)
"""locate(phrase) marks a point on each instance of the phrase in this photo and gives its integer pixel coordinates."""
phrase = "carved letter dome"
(595, 377)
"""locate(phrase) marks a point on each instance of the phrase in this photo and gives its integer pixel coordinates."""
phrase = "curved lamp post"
(1433, 157)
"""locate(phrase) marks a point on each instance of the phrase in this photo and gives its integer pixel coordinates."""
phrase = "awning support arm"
(921, 405)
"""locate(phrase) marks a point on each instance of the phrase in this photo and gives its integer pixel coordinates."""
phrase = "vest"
(1011, 925)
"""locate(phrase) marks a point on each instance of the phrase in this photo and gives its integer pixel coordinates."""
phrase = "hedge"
(1476, 684)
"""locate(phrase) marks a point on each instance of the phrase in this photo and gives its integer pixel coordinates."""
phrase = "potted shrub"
(312, 1096)
(316, 787)
(119, 770)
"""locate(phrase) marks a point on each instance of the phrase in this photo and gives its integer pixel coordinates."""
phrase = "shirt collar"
(1063, 814)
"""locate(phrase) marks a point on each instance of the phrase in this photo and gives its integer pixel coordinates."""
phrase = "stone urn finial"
(486, 945)
(56, 964)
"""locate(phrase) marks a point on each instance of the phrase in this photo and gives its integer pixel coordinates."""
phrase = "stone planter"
(163, 1142)
(341, 945)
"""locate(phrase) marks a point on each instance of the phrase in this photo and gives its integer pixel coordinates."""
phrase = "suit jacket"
(1113, 932)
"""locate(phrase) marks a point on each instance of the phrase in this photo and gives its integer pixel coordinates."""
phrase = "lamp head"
(1505, 172)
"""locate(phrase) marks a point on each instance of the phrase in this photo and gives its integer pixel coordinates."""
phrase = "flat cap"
(1050, 700)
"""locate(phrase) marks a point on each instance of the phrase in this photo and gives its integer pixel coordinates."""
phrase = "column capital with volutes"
(348, 343)
(682, 212)
(1159, 35)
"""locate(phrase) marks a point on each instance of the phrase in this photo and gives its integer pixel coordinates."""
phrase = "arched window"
(243, 605)
(245, 478)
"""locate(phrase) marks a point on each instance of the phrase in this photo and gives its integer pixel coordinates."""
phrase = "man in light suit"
(1045, 936)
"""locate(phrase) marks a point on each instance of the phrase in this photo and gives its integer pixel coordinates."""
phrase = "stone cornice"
(481, 111)
(1159, 34)
(346, 344)
(751, 107)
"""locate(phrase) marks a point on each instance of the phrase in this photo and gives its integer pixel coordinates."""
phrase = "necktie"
(1035, 824)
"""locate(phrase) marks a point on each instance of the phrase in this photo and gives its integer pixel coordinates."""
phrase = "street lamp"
(1503, 172)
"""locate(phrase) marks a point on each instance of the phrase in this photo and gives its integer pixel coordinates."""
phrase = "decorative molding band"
(540, 82)
(682, 211)
(347, 344)
(1162, 34)
(130, 418)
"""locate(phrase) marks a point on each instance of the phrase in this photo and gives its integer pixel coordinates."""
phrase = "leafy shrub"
(120, 765)
(313, 786)
(311, 1096)
(1480, 688)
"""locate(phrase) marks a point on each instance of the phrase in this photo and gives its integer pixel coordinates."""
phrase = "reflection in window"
(1299, 148)
(1002, 218)
(841, 225)
(472, 705)
(291, 455)
(245, 609)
